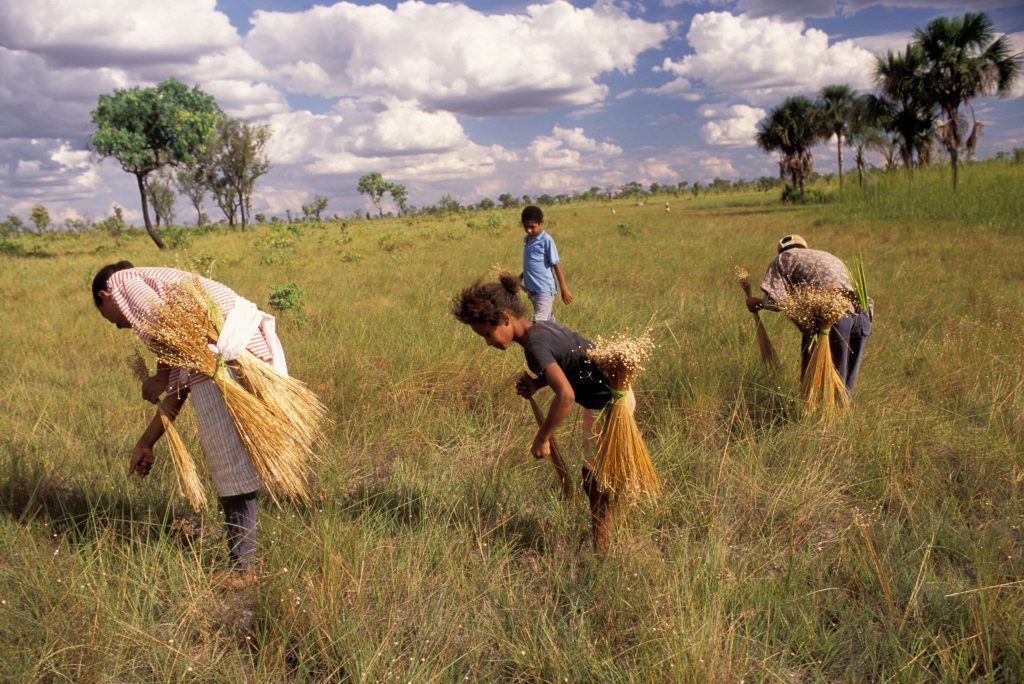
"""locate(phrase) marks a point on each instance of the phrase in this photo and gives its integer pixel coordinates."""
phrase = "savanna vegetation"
(886, 547)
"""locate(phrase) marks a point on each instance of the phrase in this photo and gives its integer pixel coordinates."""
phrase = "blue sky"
(471, 99)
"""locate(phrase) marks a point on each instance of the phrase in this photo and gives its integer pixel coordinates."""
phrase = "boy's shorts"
(543, 304)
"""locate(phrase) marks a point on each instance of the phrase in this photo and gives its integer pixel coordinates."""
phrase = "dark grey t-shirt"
(549, 343)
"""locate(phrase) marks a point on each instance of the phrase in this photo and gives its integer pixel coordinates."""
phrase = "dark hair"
(100, 281)
(532, 213)
(483, 302)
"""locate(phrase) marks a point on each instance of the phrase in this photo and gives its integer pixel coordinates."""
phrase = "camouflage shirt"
(800, 265)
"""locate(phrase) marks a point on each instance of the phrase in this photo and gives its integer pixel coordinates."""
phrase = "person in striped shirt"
(124, 294)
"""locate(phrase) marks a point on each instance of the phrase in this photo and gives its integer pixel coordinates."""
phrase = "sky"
(472, 99)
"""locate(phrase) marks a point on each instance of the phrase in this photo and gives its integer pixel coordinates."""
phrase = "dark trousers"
(240, 527)
(846, 340)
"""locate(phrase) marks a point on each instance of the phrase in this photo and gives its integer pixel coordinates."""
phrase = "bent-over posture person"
(123, 295)
(796, 264)
(557, 356)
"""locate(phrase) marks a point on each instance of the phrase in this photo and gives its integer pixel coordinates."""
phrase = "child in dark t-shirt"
(558, 357)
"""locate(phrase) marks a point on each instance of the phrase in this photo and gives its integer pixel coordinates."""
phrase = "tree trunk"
(141, 178)
(839, 149)
(954, 156)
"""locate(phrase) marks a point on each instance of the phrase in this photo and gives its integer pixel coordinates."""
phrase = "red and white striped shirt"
(137, 290)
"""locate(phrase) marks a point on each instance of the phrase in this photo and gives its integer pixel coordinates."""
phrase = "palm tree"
(864, 134)
(835, 109)
(791, 129)
(964, 60)
(904, 106)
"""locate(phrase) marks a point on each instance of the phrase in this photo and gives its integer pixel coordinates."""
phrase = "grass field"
(887, 547)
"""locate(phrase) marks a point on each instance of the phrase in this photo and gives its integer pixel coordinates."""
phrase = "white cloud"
(766, 59)
(104, 33)
(735, 125)
(451, 57)
(787, 9)
(886, 42)
(717, 167)
(569, 147)
(403, 128)
(35, 170)
(852, 6)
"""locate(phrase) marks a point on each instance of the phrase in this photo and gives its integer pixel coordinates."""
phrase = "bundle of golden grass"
(623, 466)
(556, 456)
(764, 345)
(278, 418)
(815, 310)
(184, 466)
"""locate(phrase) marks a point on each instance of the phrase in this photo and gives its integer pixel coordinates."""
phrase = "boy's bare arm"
(559, 409)
(566, 295)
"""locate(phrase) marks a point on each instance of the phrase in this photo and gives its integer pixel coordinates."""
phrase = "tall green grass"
(886, 547)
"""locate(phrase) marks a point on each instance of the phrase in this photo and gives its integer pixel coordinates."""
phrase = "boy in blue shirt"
(540, 256)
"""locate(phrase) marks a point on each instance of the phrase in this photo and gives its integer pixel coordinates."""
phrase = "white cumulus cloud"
(766, 59)
(734, 125)
(452, 57)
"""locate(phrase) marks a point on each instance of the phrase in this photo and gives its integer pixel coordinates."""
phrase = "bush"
(286, 298)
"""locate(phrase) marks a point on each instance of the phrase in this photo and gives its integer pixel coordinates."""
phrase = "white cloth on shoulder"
(241, 323)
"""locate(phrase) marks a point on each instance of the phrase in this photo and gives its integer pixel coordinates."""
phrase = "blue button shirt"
(539, 255)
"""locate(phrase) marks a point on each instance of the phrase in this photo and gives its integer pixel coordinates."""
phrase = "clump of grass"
(623, 465)
(768, 354)
(185, 471)
(814, 311)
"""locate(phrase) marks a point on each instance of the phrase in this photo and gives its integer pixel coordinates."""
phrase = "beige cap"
(791, 241)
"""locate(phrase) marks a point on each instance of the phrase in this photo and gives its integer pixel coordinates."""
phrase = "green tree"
(400, 196)
(835, 110)
(191, 182)
(160, 193)
(146, 129)
(312, 211)
(237, 160)
(507, 201)
(40, 217)
(963, 60)
(904, 106)
(791, 129)
(374, 186)
(448, 203)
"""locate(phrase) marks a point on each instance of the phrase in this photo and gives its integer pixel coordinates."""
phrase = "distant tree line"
(922, 94)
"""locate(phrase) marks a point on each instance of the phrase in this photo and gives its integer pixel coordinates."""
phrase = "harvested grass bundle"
(623, 466)
(814, 311)
(556, 456)
(768, 355)
(184, 466)
(278, 418)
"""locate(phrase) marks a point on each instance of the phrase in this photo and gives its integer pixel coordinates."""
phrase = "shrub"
(286, 298)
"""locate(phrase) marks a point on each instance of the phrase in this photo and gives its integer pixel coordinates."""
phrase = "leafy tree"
(448, 203)
(400, 196)
(963, 60)
(631, 189)
(374, 186)
(835, 110)
(161, 196)
(312, 211)
(507, 201)
(791, 129)
(191, 182)
(13, 224)
(40, 217)
(237, 160)
(146, 129)
(485, 203)
(904, 105)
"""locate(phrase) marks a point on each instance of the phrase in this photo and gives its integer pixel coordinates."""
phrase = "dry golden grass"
(814, 311)
(278, 418)
(769, 356)
(623, 464)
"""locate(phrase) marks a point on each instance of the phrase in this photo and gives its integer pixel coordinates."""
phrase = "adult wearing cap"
(796, 264)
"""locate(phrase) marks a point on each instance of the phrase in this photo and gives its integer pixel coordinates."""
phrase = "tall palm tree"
(791, 129)
(864, 133)
(964, 60)
(835, 109)
(904, 105)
